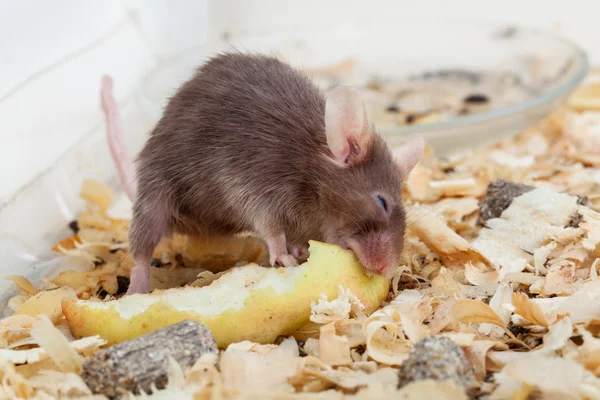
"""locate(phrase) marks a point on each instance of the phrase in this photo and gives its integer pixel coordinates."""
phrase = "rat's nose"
(381, 267)
(373, 252)
(376, 263)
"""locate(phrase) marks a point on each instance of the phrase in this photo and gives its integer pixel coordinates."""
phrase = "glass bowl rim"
(579, 55)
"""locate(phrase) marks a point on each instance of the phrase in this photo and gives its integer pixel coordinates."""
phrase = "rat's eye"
(385, 204)
(382, 202)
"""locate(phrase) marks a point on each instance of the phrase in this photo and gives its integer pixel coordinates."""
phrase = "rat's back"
(239, 138)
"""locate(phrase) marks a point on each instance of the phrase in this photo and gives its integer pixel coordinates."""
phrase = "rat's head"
(362, 191)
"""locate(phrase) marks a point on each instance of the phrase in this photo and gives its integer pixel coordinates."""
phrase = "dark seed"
(301, 348)
(123, 283)
(448, 170)
(74, 226)
(155, 263)
(361, 349)
(113, 251)
(410, 118)
(578, 340)
(393, 108)
(476, 99)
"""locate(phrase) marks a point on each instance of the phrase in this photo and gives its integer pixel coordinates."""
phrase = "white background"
(53, 53)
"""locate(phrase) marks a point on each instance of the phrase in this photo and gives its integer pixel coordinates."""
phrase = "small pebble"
(437, 358)
(140, 363)
(498, 196)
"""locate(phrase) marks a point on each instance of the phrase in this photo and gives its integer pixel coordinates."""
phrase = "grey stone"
(143, 362)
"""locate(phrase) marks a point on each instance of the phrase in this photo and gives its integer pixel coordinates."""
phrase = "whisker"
(412, 220)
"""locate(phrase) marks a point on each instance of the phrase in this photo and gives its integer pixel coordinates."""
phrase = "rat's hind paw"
(139, 280)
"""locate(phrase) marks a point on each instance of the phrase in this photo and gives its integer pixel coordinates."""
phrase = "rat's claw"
(297, 251)
(285, 260)
(278, 252)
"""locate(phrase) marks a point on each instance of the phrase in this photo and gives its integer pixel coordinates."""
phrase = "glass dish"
(535, 70)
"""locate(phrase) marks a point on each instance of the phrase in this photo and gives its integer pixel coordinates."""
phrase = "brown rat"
(250, 143)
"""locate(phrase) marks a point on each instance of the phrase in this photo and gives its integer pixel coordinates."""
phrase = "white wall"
(576, 19)
(53, 53)
(52, 57)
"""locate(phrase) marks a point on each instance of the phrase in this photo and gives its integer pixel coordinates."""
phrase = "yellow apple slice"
(247, 303)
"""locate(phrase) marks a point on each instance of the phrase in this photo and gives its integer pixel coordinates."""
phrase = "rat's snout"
(375, 252)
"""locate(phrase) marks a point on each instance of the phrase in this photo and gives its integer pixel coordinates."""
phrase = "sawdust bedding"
(519, 293)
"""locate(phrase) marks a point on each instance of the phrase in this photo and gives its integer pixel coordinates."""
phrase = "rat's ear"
(409, 154)
(347, 125)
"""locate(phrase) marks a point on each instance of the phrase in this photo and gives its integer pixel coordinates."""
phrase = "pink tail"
(114, 134)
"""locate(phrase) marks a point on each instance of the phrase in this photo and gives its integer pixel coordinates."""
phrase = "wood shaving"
(37, 354)
(247, 371)
(528, 310)
(334, 349)
(56, 345)
(339, 308)
(23, 284)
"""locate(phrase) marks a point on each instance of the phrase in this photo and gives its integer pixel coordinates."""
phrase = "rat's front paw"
(285, 260)
(278, 252)
(297, 251)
